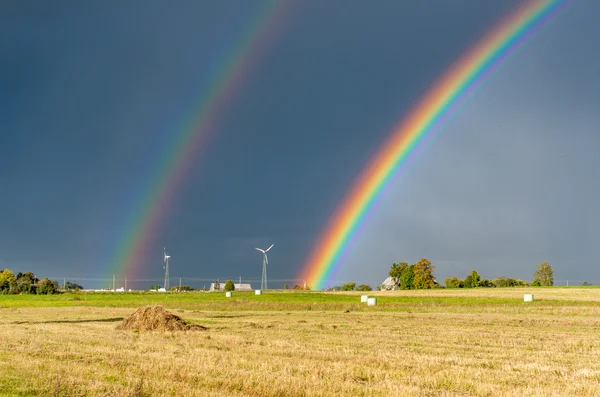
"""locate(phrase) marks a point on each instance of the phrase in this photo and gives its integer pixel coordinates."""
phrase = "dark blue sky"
(92, 93)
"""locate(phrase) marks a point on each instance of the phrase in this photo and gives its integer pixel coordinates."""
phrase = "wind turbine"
(263, 282)
(166, 267)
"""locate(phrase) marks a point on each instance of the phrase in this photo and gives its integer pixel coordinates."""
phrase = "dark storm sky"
(91, 93)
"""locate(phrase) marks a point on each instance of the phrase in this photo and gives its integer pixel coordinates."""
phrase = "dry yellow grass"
(78, 351)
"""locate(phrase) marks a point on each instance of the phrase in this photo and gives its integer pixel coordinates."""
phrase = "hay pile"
(156, 318)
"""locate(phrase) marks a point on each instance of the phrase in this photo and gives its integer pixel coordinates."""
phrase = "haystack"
(156, 318)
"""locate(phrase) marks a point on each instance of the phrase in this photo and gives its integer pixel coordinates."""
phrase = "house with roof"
(388, 285)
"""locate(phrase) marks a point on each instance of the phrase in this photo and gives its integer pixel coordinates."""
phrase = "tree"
(7, 280)
(26, 283)
(472, 280)
(364, 287)
(154, 286)
(396, 272)
(285, 286)
(178, 288)
(586, 284)
(217, 285)
(47, 287)
(348, 287)
(544, 274)
(423, 278)
(408, 276)
(229, 286)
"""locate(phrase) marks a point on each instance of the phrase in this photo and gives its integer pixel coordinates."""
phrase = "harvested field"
(547, 348)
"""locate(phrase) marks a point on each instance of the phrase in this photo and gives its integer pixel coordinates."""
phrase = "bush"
(69, 286)
(453, 282)
(285, 286)
(364, 287)
(229, 286)
(178, 288)
(586, 284)
(348, 287)
(509, 282)
(485, 283)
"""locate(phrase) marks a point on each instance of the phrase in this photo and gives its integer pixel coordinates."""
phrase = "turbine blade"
(269, 247)
(258, 249)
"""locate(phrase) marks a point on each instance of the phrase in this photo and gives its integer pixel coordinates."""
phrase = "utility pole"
(113, 282)
(125, 283)
(179, 284)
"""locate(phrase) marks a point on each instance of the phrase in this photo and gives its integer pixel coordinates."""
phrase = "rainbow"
(141, 227)
(324, 261)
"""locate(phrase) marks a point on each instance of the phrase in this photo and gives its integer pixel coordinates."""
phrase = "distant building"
(388, 285)
(238, 287)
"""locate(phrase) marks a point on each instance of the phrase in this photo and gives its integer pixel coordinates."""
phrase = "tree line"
(420, 276)
(28, 283)
(543, 277)
(351, 286)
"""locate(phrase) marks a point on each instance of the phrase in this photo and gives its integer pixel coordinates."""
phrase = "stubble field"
(440, 342)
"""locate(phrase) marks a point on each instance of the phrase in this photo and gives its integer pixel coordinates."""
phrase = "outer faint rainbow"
(324, 260)
(189, 141)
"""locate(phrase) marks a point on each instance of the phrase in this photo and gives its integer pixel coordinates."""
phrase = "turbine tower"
(166, 267)
(263, 281)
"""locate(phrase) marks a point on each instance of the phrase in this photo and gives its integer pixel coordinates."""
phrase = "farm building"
(388, 285)
(238, 287)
